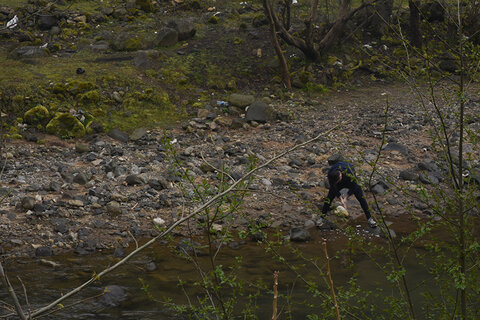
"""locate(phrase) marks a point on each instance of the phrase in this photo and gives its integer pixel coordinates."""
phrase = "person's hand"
(344, 201)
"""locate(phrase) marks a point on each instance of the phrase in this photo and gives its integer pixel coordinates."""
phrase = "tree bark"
(281, 57)
(415, 29)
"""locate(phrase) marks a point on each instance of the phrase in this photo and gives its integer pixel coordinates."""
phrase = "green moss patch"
(66, 126)
(37, 115)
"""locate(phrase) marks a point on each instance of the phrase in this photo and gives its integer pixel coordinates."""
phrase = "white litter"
(158, 221)
(12, 23)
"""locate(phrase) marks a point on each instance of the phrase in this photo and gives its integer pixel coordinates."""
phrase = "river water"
(45, 283)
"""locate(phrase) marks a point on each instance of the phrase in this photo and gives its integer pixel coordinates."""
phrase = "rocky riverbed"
(107, 189)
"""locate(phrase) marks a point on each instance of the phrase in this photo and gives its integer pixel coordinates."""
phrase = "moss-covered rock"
(66, 126)
(90, 96)
(213, 20)
(37, 115)
(145, 5)
(76, 87)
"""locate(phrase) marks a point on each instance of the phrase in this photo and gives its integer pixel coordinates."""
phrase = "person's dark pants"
(357, 191)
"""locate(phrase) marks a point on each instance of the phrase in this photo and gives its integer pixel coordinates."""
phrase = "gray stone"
(113, 208)
(408, 175)
(112, 296)
(119, 252)
(309, 224)
(43, 252)
(167, 37)
(28, 203)
(299, 235)
(120, 13)
(138, 134)
(81, 148)
(99, 46)
(393, 146)
(54, 186)
(158, 184)
(378, 189)
(335, 159)
(107, 11)
(118, 135)
(428, 178)
(141, 60)
(98, 17)
(241, 100)
(119, 171)
(60, 225)
(428, 166)
(75, 203)
(28, 52)
(80, 178)
(237, 123)
(260, 112)
(185, 28)
(39, 208)
(134, 179)
(420, 205)
(189, 246)
(151, 266)
(46, 21)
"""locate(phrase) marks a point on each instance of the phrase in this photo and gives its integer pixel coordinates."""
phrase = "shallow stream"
(45, 283)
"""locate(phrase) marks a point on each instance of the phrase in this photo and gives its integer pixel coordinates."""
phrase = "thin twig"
(330, 280)
(11, 291)
(134, 239)
(26, 298)
(275, 294)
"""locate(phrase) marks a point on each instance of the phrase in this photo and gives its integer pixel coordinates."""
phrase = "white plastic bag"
(12, 23)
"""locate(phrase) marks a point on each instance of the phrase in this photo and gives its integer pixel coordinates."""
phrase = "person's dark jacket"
(349, 181)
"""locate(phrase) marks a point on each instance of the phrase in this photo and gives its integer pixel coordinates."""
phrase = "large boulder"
(36, 115)
(241, 100)
(259, 111)
(112, 296)
(299, 235)
(167, 37)
(66, 126)
(125, 41)
(145, 5)
(47, 21)
(28, 52)
(185, 28)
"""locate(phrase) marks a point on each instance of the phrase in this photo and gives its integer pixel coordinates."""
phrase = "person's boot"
(372, 223)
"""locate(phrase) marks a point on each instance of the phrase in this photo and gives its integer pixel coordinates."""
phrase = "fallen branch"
(177, 223)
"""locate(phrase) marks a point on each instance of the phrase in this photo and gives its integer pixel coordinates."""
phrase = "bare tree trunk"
(281, 57)
(286, 14)
(415, 30)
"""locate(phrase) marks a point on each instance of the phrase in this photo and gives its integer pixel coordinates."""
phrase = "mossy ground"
(234, 54)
